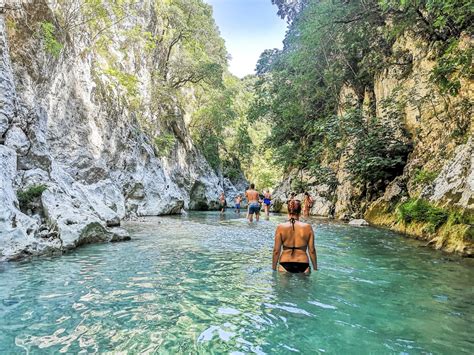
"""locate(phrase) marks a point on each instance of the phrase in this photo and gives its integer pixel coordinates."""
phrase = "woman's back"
(295, 239)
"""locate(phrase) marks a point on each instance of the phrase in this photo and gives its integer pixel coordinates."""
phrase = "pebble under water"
(203, 283)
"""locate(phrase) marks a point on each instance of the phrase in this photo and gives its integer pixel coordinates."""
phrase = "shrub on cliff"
(29, 195)
(51, 43)
(419, 210)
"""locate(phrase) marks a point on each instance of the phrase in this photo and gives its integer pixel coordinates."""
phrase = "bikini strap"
(292, 221)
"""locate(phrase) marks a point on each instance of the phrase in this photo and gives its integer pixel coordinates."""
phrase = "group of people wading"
(254, 202)
(294, 240)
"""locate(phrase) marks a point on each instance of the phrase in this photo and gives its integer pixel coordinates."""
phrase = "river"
(203, 283)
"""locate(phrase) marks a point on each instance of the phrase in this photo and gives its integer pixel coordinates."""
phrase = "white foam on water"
(322, 305)
(228, 311)
(224, 335)
(294, 310)
(290, 348)
(208, 334)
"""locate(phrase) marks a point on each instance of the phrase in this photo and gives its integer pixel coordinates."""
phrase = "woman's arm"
(276, 249)
(312, 250)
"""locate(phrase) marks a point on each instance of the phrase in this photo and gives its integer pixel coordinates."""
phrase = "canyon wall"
(439, 169)
(80, 130)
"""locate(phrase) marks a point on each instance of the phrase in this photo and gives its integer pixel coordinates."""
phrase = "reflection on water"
(203, 283)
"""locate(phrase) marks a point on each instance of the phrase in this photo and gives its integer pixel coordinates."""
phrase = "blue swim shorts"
(254, 208)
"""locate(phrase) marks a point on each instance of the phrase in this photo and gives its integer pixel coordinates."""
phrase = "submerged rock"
(358, 222)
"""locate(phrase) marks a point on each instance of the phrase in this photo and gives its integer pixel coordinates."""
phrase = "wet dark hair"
(294, 208)
(252, 186)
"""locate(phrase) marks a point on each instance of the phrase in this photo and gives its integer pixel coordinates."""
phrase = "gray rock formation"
(232, 189)
(7, 88)
(64, 125)
(358, 222)
(454, 186)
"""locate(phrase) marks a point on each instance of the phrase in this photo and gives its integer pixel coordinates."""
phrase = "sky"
(248, 28)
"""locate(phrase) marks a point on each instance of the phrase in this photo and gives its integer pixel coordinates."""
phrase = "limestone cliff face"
(440, 167)
(70, 124)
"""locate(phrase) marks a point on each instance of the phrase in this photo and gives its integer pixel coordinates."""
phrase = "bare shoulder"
(284, 226)
(306, 226)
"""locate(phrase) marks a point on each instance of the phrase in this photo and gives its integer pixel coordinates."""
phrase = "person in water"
(253, 200)
(238, 201)
(267, 200)
(292, 241)
(308, 203)
(222, 202)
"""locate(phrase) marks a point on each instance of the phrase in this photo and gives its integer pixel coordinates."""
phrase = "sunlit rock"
(66, 124)
(358, 222)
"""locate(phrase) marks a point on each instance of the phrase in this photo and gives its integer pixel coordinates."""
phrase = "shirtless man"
(238, 201)
(253, 200)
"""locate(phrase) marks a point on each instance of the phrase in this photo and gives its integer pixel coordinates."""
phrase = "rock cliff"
(81, 131)
(439, 169)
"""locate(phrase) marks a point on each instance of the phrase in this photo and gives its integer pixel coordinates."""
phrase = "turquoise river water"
(203, 283)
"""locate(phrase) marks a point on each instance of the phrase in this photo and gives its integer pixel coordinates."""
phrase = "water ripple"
(203, 284)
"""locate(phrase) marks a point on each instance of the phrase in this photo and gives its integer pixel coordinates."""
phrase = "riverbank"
(450, 229)
(97, 235)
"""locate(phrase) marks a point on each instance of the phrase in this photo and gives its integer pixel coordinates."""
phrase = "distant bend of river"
(203, 283)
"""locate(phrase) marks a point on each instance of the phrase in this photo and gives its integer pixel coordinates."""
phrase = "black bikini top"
(293, 221)
(293, 248)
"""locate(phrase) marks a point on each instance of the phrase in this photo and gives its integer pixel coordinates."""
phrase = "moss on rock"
(451, 230)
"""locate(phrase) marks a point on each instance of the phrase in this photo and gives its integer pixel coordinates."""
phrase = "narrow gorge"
(111, 110)
(93, 123)
(170, 183)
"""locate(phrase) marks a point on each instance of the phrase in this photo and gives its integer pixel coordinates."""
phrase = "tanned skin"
(268, 195)
(252, 196)
(302, 235)
(222, 202)
(238, 201)
(308, 200)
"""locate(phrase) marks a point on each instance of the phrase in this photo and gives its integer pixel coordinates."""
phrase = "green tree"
(336, 44)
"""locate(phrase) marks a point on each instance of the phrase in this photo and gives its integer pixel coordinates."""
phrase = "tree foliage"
(220, 126)
(333, 45)
(188, 47)
(378, 155)
(51, 43)
(289, 9)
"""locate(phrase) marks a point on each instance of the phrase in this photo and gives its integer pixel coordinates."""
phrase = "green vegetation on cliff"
(332, 45)
(51, 44)
(418, 210)
(30, 195)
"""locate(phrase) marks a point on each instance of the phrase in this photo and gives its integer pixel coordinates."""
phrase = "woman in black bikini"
(292, 240)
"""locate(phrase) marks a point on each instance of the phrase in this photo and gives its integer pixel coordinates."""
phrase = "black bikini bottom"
(295, 267)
